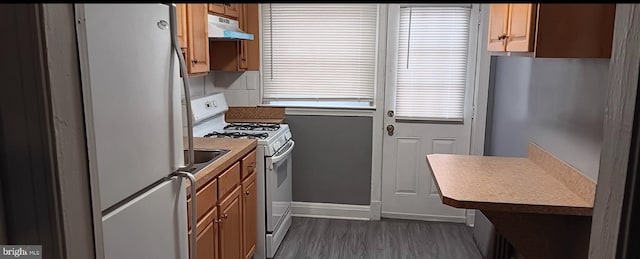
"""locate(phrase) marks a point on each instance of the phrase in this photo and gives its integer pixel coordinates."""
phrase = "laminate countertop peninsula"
(542, 205)
(503, 184)
(238, 149)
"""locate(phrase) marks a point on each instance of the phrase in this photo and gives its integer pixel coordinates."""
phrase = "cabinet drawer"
(248, 164)
(206, 197)
(229, 180)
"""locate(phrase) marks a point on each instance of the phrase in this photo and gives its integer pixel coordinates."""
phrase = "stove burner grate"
(253, 126)
(238, 135)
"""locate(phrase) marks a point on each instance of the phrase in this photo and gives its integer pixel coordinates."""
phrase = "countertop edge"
(518, 208)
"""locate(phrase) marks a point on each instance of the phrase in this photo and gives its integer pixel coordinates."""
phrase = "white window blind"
(319, 52)
(432, 62)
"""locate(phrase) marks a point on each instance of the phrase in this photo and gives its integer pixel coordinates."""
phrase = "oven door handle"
(276, 159)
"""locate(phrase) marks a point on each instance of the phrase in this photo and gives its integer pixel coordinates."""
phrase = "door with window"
(431, 52)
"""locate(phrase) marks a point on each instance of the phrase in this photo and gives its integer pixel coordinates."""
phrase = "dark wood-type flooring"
(388, 238)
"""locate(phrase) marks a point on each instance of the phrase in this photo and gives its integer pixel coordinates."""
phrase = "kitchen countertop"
(510, 184)
(238, 149)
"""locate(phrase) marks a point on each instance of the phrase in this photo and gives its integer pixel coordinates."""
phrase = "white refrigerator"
(133, 115)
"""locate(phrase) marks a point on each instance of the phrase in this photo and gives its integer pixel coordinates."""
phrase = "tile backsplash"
(240, 88)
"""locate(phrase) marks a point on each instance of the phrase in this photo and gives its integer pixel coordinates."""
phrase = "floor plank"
(388, 238)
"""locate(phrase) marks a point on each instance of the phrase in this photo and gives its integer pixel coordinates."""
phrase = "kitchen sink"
(202, 158)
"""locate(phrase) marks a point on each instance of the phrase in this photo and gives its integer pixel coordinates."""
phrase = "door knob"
(503, 36)
(390, 113)
(390, 129)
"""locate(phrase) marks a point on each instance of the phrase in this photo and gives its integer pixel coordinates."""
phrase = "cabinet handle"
(503, 36)
(195, 61)
(226, 216)
(246, 193)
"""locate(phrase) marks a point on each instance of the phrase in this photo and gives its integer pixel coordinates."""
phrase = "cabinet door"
(232, 10)
(216, 9)
(252, 25)
(181, 12)
(198, 39)
(521, 25)
(242, 47)
(249, 214)
(498, 19)
(207, 236)
(231, 226)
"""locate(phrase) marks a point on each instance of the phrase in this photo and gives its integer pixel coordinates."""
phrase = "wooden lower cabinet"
(227, 218)
(249, 214)
(207, 236)
(231, 225)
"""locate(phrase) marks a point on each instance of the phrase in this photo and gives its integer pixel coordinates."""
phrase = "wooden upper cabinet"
(520, 27)
(231, 226)
(553, 30)
(232, 10)
(198, 39)
(252, 25)
(216, 8)
(181, 12)
(498, 21)
(584, 30)
(249, 214)
(226, 10)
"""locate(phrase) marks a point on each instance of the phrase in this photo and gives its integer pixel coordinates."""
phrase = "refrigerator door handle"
(194, 211)
(185, 79)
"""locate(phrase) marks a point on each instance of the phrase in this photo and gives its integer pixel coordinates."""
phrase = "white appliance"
(132, 101)
(220, 28)
(273, 167)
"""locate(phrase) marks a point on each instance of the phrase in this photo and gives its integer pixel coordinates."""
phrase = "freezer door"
(132, 96)
(153, 225)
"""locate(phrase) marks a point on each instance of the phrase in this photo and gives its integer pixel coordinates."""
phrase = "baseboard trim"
(375, 210)
(471, 217)
(395, 215)
(330, 210)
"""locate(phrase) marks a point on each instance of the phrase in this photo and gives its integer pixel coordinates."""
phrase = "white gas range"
(273, 166)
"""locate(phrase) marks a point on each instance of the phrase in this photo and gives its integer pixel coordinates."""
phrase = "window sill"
(327, 111)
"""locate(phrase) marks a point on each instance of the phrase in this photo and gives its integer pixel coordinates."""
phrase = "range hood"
(221, 28)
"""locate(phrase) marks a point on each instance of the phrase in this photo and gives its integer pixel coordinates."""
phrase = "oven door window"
(279, 190)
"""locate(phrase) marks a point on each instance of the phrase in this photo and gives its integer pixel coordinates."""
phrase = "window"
(319, 54)
(432, 62)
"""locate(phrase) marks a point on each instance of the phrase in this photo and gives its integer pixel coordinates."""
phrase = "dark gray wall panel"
(332, 159)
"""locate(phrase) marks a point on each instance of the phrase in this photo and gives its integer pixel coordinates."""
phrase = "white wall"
(240, 88)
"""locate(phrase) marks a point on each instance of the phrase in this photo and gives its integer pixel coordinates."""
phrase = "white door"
(428, 103)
